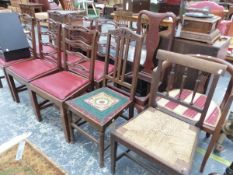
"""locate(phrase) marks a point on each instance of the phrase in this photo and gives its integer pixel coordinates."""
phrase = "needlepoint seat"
(100, 105)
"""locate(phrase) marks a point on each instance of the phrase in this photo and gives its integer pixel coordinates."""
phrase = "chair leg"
(13, 88)
(113, 154)
(211, 145)
(8, 83)
(101, 148)
(35, 105)
(71, 130)
(131, 111)
(1, 86)
(65, 123)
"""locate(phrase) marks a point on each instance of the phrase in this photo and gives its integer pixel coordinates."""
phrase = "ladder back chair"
(161, 135)
(61, 86)
(101, 107)
(49, 60)
(28, 24)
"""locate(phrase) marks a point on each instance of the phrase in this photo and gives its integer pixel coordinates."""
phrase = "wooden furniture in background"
(136, 6)
(163, 136)
(58, 87)
(102, 106)
(30, 8)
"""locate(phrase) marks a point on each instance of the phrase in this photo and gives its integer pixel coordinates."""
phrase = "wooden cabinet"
(136, 5)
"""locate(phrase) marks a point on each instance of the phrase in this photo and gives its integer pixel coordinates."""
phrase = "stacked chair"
(64, 72)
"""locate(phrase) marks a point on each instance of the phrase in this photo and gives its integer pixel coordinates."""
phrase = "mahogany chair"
(49, 60)
(28, 24)
(166, 137)
(102, 106)
(61, 86)
(153, 35)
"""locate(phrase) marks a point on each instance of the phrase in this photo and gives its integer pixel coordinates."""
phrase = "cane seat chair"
(28, 24)
(61, 86)
(100, 107)
(161, 135)
(49, 60)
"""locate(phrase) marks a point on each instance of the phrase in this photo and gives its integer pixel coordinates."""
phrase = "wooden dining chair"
(163, 133)
(102, 106)
(28, 24)
(152, 43)
(61, 86)
(48, 61)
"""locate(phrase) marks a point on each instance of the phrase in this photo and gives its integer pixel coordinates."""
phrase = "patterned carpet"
(82, 156)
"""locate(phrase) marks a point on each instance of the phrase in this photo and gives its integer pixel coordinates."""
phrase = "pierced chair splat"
(101, 107)
(61, 86)
(49, 61)
(163, 136)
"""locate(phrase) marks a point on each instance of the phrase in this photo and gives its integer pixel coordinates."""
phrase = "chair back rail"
(51, 38)
(80, 42)
(173, 60)
(123, 37)
(28, 23)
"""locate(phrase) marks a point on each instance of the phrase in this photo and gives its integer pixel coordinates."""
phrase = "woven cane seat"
(162, 137)
(213, 113)
(100, 105)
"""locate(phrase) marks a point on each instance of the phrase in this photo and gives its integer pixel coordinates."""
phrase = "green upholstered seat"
(100, 105)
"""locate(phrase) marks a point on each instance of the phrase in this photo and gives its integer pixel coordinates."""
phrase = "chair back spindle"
(182, 96)
(123, 38)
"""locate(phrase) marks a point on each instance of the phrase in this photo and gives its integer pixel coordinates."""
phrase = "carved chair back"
(123, 37)
(50, 41)
(153, 35)
(174, 61)
(28, 23)
(80, 42)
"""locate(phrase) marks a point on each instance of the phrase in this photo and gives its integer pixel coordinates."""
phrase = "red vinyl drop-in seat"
(61, 84)
(9, 63)
(32, 69)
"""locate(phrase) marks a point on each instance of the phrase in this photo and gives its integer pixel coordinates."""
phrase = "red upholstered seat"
(212, 116)
(9, 63)
(61, 84)
(32, 69)
(99, 69)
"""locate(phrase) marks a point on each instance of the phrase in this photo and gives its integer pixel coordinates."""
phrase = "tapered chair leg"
(65, 122)
(113, 154)
(35, 105)
(101, 148)
(13, 88)
(131, 111)
(71, 130)
(211, 145)
(1, 85)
